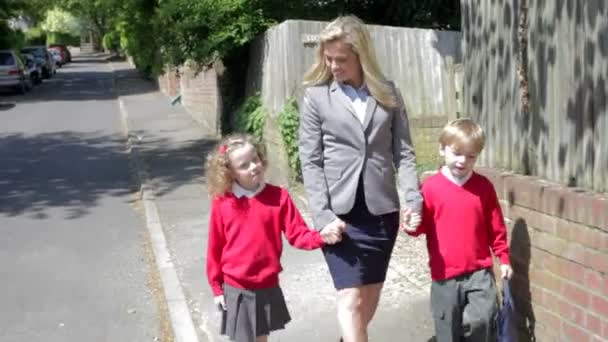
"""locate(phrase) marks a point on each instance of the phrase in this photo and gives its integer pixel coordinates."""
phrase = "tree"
(8, 37)
(97, 15)
(60, 21)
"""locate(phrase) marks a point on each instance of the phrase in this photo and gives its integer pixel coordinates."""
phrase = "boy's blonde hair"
(217, 167)
(353, 32)
(463, 134)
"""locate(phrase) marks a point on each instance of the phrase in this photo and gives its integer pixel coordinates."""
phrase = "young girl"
(246, 223)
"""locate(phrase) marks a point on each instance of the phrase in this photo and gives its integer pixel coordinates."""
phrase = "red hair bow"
(222, 149)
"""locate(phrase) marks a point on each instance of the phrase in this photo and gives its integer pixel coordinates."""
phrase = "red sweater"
(461, 225)
(245, 238)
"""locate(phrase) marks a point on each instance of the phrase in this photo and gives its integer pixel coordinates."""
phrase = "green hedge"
(250, 117)
(289, 123)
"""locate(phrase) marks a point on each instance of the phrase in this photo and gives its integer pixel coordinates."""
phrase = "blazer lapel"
(369, 112)
(339, 94)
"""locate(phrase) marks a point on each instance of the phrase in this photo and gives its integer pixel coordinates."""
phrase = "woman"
(354, 134)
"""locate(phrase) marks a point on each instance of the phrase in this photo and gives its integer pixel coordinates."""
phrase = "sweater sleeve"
(296, 231)
(497, 229)
(215, 245)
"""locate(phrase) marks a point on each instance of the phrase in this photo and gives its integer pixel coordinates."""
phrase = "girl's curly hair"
(217, 167)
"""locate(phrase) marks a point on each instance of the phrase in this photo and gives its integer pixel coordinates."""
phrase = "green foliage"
(35, 36)
(62, 38)
(204, 30)
(137, 36)
(111, 41)
(289, 123)
(60, 21)
(251, 116)
(10, 39)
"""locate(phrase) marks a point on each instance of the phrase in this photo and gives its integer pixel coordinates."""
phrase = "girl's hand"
(219, 302)
(332, 233)
(506, 272)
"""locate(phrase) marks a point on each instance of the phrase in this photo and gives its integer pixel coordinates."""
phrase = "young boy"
(462, 221)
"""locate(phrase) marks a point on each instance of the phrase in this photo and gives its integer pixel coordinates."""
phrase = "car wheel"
(22, 88)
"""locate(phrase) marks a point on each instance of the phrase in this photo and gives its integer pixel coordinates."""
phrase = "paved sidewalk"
(169, 150)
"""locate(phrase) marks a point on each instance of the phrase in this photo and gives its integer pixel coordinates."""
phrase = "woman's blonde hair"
(464, 134)
(351, 30)
(217, 167)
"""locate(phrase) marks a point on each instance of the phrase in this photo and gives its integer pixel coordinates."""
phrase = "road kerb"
(179, 312)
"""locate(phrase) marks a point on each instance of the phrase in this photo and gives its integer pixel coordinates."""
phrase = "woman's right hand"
(332, 232)
(220, 302)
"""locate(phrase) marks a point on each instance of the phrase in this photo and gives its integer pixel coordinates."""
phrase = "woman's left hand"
(409, 220)
(506, 272)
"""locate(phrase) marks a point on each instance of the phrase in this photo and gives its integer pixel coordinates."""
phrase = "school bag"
(505, 321)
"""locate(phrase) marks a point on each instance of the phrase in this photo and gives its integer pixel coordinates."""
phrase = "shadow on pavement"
(6, 106)
(74, 171)
(188, 159)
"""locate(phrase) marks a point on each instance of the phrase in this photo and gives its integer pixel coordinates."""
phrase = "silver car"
(13, 72)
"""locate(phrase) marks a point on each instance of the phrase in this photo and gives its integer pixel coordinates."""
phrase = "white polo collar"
(239, 191)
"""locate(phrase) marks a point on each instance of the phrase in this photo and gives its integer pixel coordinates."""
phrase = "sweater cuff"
(217, 290)
(319, 242)
(504, 259)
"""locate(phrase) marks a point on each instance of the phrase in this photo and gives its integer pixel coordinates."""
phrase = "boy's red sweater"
(462, 225)
(245, 238)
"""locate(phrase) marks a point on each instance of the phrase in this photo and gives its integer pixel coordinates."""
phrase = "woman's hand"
(332, 232)
(409, 220)
(506, 272)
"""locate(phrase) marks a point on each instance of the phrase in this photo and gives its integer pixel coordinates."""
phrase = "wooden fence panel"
(561, 137)
(421, 62)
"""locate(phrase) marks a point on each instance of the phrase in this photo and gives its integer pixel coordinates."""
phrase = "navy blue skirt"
(363, 255)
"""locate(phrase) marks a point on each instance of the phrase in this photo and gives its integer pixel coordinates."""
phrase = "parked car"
(57, 57)
(13, 72)
(34, 66)
(41, 53)
(65, 52)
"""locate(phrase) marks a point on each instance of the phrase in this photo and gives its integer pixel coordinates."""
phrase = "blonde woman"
(354, 135)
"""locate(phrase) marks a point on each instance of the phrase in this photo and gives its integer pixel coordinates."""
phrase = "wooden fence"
(556, 127)
(423, 63)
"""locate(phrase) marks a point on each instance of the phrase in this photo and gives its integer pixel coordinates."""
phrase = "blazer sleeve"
(311, 156)
(404, 157)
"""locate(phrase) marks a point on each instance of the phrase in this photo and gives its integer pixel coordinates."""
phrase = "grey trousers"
(465, 307)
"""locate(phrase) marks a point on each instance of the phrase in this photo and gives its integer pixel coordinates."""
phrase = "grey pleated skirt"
(251, 313)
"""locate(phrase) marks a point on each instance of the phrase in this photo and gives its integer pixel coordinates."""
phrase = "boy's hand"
(220, 302)
(506, 272)
(409, 220)
(332, 233)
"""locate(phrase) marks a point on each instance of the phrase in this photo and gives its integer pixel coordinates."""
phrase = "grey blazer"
(335, 148)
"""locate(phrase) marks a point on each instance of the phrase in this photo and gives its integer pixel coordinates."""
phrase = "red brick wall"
(559, 249)
(201, 96)
(169, 82)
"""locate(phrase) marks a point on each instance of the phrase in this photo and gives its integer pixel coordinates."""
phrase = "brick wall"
(169, 82)
(559, 246)
(201, 96)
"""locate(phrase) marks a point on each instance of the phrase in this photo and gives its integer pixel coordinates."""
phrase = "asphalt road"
(74, 261)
